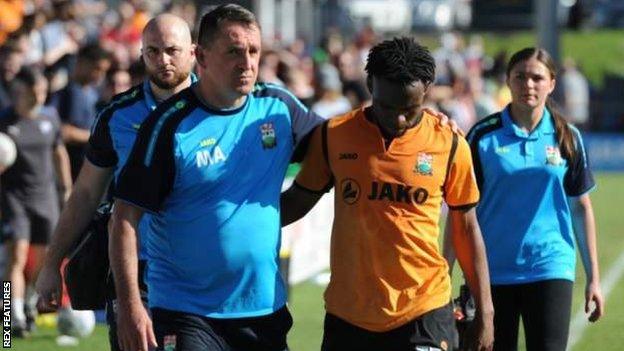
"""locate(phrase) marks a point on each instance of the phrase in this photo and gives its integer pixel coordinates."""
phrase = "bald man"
(168, 54)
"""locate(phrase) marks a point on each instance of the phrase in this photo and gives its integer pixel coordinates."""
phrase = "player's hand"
(481, 333)
(445, 120)
(593, 293)
(134, 328)
(49, 288)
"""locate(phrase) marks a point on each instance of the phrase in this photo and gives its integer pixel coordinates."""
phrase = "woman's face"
(29, 97)
(530, 83)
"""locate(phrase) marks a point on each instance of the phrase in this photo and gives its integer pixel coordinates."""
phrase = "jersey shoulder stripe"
(263, 90)
(486, 125)
(119, 101)
(159, 121)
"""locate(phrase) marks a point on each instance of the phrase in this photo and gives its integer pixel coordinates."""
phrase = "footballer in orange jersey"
(392, 165)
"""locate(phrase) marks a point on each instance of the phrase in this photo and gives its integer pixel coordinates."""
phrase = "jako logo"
(209, 157)
(397, 193)
(348, 156)
(350, 190)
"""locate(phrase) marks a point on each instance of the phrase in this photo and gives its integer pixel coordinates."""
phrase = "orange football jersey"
(386, 266)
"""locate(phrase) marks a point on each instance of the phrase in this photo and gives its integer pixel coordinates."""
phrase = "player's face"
(395, 106)
(169, 56)
(530, 83)
(231, 61)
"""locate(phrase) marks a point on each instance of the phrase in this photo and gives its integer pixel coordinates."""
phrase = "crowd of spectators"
(90, 51)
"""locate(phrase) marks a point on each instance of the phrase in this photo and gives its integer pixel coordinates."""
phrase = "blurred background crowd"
(90, 51)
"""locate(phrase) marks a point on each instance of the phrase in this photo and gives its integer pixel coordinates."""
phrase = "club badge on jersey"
(423, 165)
(269, 140)
(169, 343)
(553, 156)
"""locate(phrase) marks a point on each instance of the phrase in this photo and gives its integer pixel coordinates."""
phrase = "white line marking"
(579, 323)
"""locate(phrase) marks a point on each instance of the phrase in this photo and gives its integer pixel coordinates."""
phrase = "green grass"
(44, 340)
(606, 334)
(598, 52)
(307, 298)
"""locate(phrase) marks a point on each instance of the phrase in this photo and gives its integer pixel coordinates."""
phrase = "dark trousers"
(188, 332)
(430, 332)
(545, 310)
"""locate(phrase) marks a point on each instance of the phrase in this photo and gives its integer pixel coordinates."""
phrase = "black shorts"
(29, 219)
(111, 306)
(432, 331)
(189, 332)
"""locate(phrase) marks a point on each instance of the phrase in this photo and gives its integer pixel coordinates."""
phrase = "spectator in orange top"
(11, 15)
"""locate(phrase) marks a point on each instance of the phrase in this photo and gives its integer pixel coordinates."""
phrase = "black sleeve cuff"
(463, 207)
(322, 191)
(144, 207)
(100, 162)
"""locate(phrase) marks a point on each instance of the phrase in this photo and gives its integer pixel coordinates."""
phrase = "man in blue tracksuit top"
(208, 165)
(169, 57)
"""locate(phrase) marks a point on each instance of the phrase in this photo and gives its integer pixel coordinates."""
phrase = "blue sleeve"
(303, 120)
(578, 179)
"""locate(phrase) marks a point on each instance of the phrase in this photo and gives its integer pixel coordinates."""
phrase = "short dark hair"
(29, 76)
(401, 60)
(94, 53)
(9, 48)
(211, 21)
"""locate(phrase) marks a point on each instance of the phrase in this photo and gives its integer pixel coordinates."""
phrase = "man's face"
(10, 65)
(169, 56)
(120, 82)
(395, 106)
(98, 71)
(230, 62)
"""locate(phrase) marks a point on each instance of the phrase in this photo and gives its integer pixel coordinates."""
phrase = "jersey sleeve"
(303, 122)
(460, 187)
(149, 173)
(578, 179)
(100, 150)
(315, 174)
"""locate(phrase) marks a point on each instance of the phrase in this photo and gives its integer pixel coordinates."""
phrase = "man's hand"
(134, 328)
(445, 120)
(480, 335)
(594, 293)
(49, 287)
